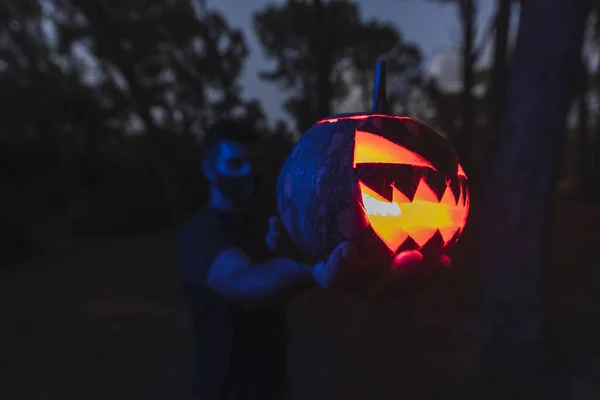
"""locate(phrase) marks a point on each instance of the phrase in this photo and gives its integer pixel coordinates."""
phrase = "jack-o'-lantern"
(391, 181)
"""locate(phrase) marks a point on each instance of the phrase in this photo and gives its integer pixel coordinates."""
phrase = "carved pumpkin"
(391, 181)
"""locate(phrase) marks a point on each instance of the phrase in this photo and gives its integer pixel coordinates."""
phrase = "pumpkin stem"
(380, 103)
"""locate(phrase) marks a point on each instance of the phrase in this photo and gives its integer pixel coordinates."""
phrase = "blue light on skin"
(229, 159)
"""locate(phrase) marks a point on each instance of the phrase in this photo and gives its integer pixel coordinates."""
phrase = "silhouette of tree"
(287, 34)
(176, 71)
(518, 191)
(593, 185)
(447, 108)
(36, 145)
(106, 105)
(499, 71)
(467, 12)
(585, 151)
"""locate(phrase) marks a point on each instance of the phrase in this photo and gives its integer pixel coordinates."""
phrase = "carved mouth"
(425, 205)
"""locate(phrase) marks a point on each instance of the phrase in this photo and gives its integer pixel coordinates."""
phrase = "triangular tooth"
(436, 182)
(460, 213)
(371, 175)
(365, 190)
(448, 198)
(465, 211)
(399, 197)
(461, 198)
(393, 238)
(448, 232)
(424, 193)
(456, 187)
(383, 216)
(421, 235)
(461, 171)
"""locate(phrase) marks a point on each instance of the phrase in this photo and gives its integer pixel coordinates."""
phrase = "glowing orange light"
(360, 117)
(370, 148)
(397, 220)
(420, 218)
(461, 171)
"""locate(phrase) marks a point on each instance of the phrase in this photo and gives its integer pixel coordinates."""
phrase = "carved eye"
(370, 148)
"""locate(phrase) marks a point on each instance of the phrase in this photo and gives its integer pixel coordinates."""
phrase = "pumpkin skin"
(327, 184)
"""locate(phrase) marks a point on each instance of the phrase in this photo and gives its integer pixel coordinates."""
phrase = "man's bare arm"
(233, 276)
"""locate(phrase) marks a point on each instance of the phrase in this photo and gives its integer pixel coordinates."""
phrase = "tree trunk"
(518, 191)
(499, 68)
(323, 60)
(465, 138)
(585, 151)
(596, 144)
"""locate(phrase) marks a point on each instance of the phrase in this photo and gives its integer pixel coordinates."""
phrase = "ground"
(103, 319)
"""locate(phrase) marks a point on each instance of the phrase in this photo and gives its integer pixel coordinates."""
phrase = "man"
(234, 285)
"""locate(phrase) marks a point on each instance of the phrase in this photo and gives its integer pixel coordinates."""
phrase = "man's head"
(229, 161)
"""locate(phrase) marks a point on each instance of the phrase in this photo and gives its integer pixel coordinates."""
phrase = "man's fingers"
(408, 271)
(445, 261)
(271, 241)
(407, 259)
(334, 263)
(340, 253)
(403, 265)
(275, 227)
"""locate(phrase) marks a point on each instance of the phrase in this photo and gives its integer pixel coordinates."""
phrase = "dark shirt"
(239, 354)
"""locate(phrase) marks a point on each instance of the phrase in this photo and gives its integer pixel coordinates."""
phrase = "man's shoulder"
(203, 234)
(198, 241)
(200, 222)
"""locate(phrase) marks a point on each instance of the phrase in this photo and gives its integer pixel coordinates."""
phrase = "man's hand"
(327, 274)
(273, 238)
(406, 272)
(281, 244)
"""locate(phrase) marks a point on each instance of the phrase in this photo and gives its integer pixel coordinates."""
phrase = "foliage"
(287, 35)
(102, 109)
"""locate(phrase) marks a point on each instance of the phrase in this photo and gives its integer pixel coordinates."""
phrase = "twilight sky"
(435, 27)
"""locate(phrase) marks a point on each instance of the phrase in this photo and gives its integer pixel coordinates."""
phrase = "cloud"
(445, 69)
(446, 66)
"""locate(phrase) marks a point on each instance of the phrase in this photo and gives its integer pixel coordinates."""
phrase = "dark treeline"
(102, 107)
(103, 104)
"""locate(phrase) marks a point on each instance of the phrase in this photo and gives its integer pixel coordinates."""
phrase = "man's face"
(232, 159)
(232, 169)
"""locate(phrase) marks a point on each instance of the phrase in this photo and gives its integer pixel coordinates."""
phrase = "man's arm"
(233, 276)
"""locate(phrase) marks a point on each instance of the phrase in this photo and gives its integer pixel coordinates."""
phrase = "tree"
(520, 178)
(467, 11)
(171, 72)
(20, 53)
(468, 14)
(102, 115)
(595, 132)
(320, 41)
(499, 67)
(585, 153)
(287, 34)
(447, 109)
